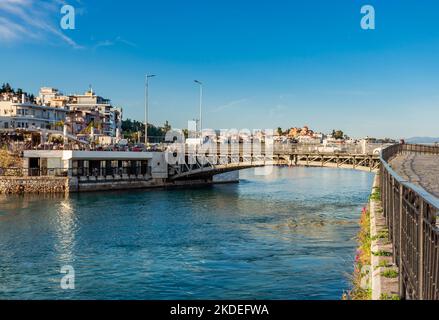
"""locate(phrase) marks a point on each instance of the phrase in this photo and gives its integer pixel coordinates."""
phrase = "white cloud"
(109, 43)
(231, 104)
(24, 20)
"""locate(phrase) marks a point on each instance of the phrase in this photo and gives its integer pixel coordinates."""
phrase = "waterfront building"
(108, 170)
(98, 170)
(22, 113)
(87, 114)
(95, 163)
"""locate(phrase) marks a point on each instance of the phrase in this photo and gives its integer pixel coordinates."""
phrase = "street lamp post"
(147, 77)
(201, 109)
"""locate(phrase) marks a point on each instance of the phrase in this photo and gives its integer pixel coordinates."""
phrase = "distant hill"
(422, 140)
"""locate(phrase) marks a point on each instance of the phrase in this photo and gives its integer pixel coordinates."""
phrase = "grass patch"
(385, 296)
(381, 235)
(384, 264)
(364, 240)
(391, 274)
(376, 194)
(359, 294)
(362, 261)
(382, 253)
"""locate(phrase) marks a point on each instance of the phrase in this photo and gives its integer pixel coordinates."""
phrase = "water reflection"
(65, 226)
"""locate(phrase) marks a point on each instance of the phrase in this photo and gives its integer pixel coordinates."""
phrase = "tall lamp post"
(201, 108)
(147, 77)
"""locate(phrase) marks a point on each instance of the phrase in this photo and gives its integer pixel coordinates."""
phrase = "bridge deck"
(420, 169)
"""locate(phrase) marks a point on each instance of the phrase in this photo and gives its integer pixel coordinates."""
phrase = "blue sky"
(264, 63)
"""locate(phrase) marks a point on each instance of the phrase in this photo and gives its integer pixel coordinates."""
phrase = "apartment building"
(21, 113)
(89, 107)
(83, 114)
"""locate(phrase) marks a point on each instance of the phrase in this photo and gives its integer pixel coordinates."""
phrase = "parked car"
(330, 150)
(377, 151)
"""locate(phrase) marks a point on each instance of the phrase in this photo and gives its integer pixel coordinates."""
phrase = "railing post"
(393, 220)
(402, 291)
(421, 250)
(383, 192)
(388, 200)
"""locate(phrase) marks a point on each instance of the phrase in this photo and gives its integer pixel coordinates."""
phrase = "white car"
(330, 149)
(377, 151)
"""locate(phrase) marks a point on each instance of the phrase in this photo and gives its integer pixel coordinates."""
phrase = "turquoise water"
(290, 235)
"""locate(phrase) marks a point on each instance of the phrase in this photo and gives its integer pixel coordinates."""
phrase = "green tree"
(132, 127)
(279, 131)
(337, 134)
(167, 126)
(6, 88)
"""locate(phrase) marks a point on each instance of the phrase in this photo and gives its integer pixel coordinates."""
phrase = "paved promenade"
(420, 169)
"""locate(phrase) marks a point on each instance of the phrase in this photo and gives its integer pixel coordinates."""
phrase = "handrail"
(411, 215)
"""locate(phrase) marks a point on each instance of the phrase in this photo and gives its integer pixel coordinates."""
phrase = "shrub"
(392, 274)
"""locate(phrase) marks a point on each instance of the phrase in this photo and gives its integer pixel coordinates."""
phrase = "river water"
(289, 235)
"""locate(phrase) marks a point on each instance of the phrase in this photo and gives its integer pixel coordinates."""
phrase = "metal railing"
(110, 171)
(76, 172)
(411, 215)
(33, 172)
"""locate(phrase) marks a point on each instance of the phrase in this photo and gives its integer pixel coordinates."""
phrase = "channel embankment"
(375, 275)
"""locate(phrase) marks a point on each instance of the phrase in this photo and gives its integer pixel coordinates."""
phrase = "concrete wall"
(113, 185)
(159, 166)
(132, 184)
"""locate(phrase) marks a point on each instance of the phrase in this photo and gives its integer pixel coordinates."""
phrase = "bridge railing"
(369, 149)
(301, 148)
(412, 217)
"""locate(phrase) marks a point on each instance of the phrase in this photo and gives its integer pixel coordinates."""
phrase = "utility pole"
(201, 108)
(147, 77)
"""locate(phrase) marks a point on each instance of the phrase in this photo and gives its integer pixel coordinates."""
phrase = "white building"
(27, 115)
(309, 139)
(46, 95)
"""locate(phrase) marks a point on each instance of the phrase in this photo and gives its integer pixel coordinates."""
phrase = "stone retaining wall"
(50, 185)
(19, 185)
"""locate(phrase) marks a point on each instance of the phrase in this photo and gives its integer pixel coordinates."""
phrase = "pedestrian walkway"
(420, 169)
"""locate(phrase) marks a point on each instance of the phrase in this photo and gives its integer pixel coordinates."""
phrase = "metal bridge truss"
(205, 167)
